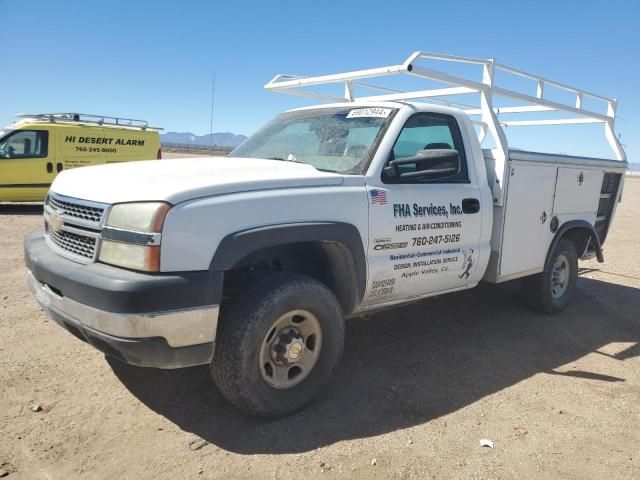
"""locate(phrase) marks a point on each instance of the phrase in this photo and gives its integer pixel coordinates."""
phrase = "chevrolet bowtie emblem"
(55, 222)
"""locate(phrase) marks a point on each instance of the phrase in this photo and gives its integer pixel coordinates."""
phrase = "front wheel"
(278, 344)
(551, 291)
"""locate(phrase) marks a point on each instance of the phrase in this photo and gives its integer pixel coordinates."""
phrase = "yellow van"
(36, 148)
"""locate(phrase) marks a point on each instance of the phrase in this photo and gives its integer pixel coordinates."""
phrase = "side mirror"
(429, 164)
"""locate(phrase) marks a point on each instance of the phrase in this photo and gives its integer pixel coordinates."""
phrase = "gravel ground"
(418, 388)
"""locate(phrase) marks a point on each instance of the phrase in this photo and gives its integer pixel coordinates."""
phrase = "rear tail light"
(159, 157)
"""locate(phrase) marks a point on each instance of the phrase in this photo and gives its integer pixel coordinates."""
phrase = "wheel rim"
(560, 276)
(290, 349)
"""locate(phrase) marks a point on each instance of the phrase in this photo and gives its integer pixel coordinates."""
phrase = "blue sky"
(154, 60)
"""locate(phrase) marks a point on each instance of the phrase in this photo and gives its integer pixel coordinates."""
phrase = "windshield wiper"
(298, 161)
(285, 160)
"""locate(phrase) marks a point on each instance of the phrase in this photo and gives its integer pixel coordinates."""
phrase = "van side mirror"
(429, 164)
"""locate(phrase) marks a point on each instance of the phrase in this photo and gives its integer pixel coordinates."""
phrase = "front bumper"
(149, 320)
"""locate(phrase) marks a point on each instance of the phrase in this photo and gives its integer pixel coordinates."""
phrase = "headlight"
(132, 235)
(135, 257)
(138, 217)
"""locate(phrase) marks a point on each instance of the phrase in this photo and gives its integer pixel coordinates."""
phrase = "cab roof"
(421, 106)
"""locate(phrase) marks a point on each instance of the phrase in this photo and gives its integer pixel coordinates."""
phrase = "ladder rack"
(452, 85)
(71, 117)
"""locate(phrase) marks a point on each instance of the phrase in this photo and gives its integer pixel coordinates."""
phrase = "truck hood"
(178, 180)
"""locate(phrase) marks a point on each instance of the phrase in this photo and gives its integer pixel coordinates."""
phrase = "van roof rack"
(71, 117)
(525, 103)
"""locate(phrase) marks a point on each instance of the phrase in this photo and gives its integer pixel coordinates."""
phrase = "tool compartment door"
(529, 207)
(577, 191)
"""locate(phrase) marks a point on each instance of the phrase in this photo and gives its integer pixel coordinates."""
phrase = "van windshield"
(341, 140)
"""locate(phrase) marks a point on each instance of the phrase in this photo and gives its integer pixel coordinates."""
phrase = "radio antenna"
(213, 89)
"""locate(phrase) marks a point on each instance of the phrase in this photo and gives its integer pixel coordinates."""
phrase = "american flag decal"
(379, 197)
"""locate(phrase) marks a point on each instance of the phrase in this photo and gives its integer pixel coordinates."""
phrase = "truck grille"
(73, 226)
(73, 243)
(76, 210)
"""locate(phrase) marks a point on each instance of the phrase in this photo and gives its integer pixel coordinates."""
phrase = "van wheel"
(551, 291)
(278, 344)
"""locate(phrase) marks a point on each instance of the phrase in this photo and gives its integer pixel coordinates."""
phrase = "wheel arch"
(332, 252)
(581, 233)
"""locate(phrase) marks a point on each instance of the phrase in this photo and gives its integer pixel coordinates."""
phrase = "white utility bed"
(539, 188)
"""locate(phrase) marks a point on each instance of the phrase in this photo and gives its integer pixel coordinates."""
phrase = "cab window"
(429, 131)
(25, 144)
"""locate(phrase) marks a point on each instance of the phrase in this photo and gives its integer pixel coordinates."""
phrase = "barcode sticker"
(369, 113)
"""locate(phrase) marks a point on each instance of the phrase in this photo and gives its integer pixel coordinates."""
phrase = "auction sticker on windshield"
(369, 113)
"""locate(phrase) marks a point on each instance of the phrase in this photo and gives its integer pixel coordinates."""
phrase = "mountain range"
(221, 139)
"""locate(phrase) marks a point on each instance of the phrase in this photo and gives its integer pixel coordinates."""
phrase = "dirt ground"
(418, 388)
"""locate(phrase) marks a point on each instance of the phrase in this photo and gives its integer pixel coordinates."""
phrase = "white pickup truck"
(250, 263)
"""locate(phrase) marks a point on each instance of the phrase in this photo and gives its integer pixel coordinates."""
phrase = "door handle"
(49, 167)
(470, 205)
(59, 167)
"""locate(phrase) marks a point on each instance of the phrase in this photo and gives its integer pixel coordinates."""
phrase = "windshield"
(339, 140)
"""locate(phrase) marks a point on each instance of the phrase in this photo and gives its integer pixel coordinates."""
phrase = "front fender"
(236, 246)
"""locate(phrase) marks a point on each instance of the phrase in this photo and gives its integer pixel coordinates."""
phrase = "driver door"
(424, 230)
(26, 165)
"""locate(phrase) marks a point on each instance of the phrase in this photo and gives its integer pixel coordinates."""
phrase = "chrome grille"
(78, 211)
(73, 226)
(73, 243)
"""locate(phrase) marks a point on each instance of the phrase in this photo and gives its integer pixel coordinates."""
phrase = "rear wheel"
(278, 344)
(551, 291)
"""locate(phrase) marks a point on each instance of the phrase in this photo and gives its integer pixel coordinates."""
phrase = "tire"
(248, 333)
(550, 291)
